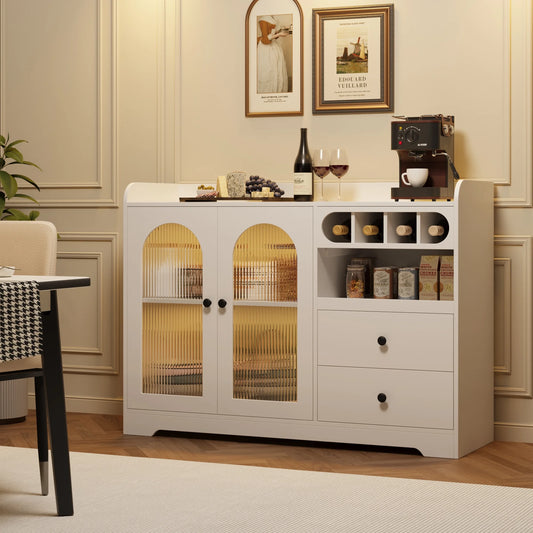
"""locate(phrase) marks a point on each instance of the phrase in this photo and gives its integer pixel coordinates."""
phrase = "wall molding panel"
(513, 315)
(95, 349)
(515, 190)
(71, 120)
(502, 316)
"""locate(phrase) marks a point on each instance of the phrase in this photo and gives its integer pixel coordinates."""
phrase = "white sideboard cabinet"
(236, 321)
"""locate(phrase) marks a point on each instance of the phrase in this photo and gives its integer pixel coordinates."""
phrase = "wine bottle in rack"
(436, 230)
(303, 171)
(371, 230)
(404, 230)
(340, 229)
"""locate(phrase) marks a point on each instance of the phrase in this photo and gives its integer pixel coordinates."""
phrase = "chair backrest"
(29, 245)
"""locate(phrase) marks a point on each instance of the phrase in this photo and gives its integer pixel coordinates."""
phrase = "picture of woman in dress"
(273, 54)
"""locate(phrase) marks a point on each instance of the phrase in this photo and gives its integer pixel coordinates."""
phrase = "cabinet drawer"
(413, 399)
(412, 341)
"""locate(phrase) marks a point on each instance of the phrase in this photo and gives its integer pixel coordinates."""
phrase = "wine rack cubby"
(397, 228)
(343, 219)
(365, 220)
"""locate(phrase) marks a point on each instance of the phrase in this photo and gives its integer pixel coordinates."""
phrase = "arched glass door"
(172, 351)
(265, 315)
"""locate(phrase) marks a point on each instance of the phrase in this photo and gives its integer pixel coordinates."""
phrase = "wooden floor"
(499, 463)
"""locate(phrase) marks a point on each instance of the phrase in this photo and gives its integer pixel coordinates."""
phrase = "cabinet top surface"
(169, 194)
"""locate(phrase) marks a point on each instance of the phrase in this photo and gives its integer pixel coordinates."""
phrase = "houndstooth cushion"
(21, 328)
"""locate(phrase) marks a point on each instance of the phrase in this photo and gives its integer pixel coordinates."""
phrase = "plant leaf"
(28, 197)
(13, 153)
(8, 147)
(2, 204)
(25, 178)
(32, 164)
(33, 215)
(15, 214)
(2, 163)
(2, 141)
(9, 183)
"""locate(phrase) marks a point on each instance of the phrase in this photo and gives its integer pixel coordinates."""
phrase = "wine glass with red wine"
(338, 164)
(321, 167)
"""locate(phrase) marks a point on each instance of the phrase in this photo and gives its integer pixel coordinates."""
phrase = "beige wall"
(113, 91)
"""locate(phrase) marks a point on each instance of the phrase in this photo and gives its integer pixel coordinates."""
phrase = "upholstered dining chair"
(31, 247)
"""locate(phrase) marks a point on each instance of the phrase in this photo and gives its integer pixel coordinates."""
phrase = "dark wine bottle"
(303, 171)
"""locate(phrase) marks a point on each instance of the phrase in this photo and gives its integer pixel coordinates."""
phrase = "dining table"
(54, 384)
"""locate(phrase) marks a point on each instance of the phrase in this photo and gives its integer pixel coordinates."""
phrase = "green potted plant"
(9, 155)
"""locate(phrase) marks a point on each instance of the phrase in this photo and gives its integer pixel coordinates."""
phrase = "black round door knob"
(222, 303)
(382, 340)
(382, 397)
(207, 302)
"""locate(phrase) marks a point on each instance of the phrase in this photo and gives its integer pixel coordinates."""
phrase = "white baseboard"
(101, 406)
(513, 432)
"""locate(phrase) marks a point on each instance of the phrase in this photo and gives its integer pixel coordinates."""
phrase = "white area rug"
(130, 494)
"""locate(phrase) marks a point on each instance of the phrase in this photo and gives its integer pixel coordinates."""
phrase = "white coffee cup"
(415, 177)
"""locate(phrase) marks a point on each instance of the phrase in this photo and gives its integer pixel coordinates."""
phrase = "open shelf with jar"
(333, 262)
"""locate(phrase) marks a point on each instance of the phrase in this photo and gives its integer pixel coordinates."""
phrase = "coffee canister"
(385, 282)
(408, 283)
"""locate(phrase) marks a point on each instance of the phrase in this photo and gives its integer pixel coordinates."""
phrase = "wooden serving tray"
(201, 199)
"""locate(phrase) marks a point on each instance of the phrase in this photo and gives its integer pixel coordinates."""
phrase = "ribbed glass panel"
(265, 336)
(172, 263)
(172, 349)
(172, 327)
(264, 353)
(264, 265)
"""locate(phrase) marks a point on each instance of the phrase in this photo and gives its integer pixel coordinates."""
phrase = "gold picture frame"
(353, 59)
(274, 59)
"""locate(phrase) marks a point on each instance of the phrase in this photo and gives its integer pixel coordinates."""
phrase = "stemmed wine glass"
(338, 164)
(321, 167)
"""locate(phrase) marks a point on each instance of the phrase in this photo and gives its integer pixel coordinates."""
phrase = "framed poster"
(274, 63)
(353, 59)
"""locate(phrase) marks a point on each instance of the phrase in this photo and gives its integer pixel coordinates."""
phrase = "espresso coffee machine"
(425, 142)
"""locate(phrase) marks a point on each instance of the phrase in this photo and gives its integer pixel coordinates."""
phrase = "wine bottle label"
(303, 183)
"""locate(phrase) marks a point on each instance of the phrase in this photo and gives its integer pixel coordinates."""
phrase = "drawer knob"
(382, 340)
(222, 303)
(207, 302)
(382, 397)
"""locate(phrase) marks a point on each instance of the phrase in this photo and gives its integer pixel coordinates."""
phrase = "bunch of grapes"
(255, 183)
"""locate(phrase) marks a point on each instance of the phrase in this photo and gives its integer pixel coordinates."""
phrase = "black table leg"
(55, 395)
(42, 431)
